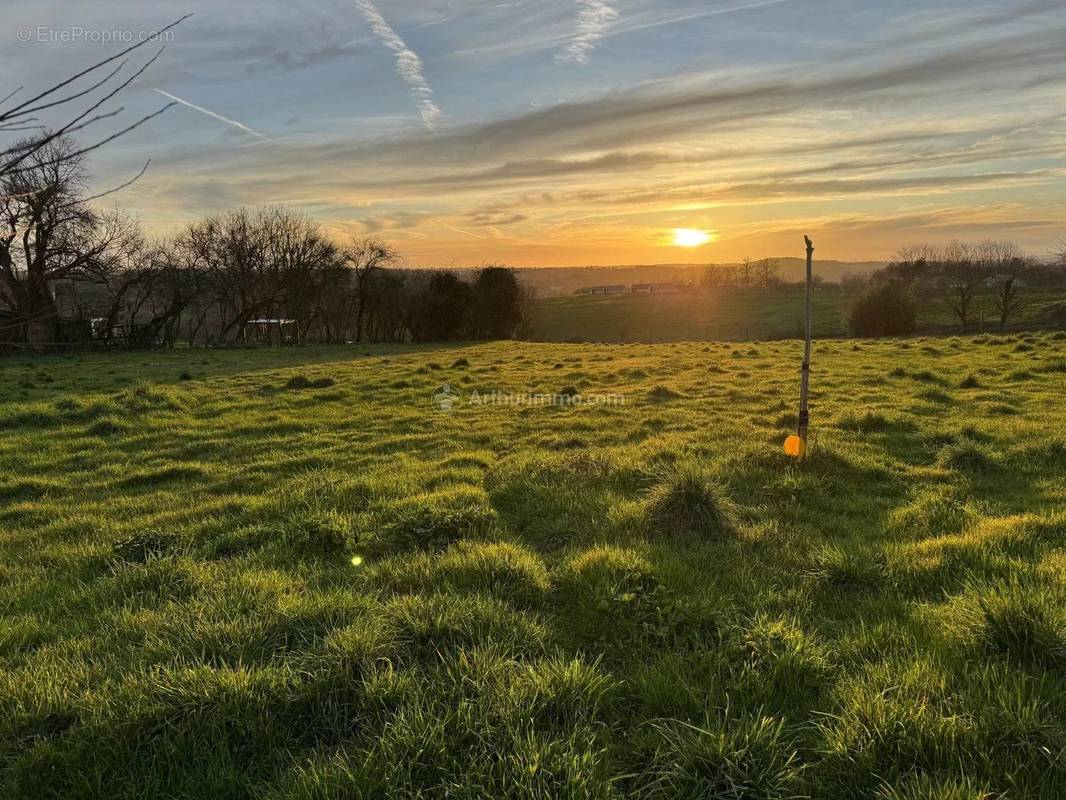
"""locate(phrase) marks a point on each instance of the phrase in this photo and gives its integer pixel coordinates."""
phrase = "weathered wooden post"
(796, 446)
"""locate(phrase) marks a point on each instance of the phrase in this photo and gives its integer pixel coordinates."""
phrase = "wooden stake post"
(804, 416)
(796, 446)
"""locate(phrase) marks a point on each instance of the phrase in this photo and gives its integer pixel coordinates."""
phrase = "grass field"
(752, 315)
(288, 574)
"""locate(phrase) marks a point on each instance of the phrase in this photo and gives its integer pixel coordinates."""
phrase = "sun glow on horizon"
(691, 237)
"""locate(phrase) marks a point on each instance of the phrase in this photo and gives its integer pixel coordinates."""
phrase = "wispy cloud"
(459, 230)
(231, 122)
(593, 19)
(408, 64)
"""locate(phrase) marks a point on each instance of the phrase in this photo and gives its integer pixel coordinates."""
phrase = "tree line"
(73, 273)
(764, 274)
(981, 284)
(70, 273)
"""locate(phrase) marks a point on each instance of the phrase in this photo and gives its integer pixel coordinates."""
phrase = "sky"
(576, 132)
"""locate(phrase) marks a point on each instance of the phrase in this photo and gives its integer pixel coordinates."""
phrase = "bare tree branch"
(66, 129)
(21, 109)
(109, 139)
(79, 95)
(120, 187)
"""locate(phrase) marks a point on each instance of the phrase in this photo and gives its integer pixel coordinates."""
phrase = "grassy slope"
(743, 316)
(639, 600)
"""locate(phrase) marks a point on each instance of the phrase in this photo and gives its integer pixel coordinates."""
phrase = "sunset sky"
(571, 132)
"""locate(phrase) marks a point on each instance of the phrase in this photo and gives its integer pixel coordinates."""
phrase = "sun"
(691, 237)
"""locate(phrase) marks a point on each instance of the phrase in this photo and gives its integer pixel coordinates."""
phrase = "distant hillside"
(556, 281)
(753, 314)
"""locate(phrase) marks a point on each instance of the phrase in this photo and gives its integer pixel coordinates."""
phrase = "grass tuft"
(1020, 620)
(726, 757)
(499, 569)
(432, 522)
(967, 456)
(686, 500)
(299, 383)
(663, 394)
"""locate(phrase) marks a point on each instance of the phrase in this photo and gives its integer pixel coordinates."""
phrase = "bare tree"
(1004, 264)
(268, 263)
(731, 276)
(147, 298)
(769, 272)
(962, 278)
(747, 267)
(50, 233)
(711, 278)
(48, 229)
(365, 257)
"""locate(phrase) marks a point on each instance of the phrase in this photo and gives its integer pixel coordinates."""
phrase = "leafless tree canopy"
(51, 234)
(963, 273)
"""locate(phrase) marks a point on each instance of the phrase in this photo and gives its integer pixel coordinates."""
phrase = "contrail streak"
(232, 122)
(408, 64)
(593, 19)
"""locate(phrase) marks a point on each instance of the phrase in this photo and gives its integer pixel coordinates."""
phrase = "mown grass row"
(285, 574)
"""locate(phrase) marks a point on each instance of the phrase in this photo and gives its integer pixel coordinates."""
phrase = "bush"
(887, 310)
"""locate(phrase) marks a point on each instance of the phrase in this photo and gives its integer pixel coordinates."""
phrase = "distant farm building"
(658, 288)
(270, 332)
(602, 290)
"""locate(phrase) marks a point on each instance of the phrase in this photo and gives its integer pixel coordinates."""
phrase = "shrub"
(887, 310)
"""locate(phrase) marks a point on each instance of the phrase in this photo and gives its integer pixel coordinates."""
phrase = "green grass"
(755, 314)
(285, 574)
